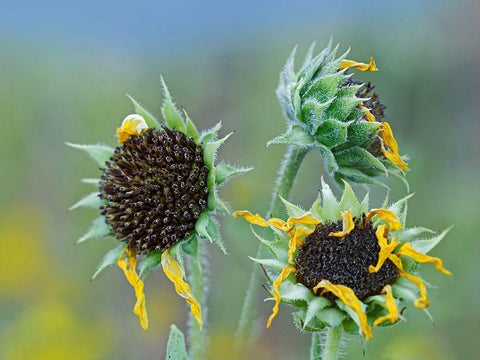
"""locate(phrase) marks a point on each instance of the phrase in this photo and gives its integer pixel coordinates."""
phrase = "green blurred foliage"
(49, 94)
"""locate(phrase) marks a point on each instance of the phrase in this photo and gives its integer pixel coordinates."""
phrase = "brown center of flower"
(156, 187)
(344, 260)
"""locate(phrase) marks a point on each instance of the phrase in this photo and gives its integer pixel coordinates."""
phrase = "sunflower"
(156, 194)
(326, 109)
(344, 265)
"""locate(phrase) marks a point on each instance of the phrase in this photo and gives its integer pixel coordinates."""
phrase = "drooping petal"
(408, 250)
(422, 301)
(348, 296)
(390, 305)
(252, 219)
(128, 266)
(296, 241)
(386, 249)
(347, 224)
(395, 159)
(359, 66)
(132, 125)
(175, 273)
(305, 219)
(279, 224)
(368, 115)
(386, 215)
(287, 270)
(391, 143)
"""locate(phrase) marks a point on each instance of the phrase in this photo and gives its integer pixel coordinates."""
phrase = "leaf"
(149, 118)
(100, 153)
(356, 176)
(411, 233)
(332, 133)
(361, 133)
(225, 172)
(350, 201)
(90, 201)
(314, 306)
(98, 229)
(331, 316)
(295, 135)
(150, 262)
(176, 349)
(425, 245)
(191, 130)
(359, 158)
(274, 264)
(330, 206)
(110, 258)
(210, 135)
(313, 112)
(214, 234)
(170, 113)
(215, 203)
(292, 209)
(210, 150)
(279, 252)
(328, 158)
(291, 292)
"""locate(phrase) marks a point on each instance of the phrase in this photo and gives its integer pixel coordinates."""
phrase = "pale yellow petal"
(347, 224)
(132, 125)
(280, 224)
(305, 219)
(130, 273)
(386, 215)
(175, 273)
(391, 307)
(296, 241)
(422, 301)
(348, 296)
(386, 249)
(252, 219)
(358, 65)
(407, 250)
(287, 270)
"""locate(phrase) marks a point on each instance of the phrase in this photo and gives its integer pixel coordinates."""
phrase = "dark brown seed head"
(156, 187)
(344, 261)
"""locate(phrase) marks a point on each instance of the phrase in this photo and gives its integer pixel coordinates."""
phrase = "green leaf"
(210, 135)
(361, 133)
(176, 349)
(211, 177)
(426, 245)
(332, 133)
(350, 201)
(215, 203)
(170, 113)
(330, 206)
(210, 150)
(214, 234)
(110, 258)
(314, 306)
(324, 88)
(191, 130)
(149, 118)
(328, 158)
(91, 201)
(100, 153)
(291, 292)
(274, 264)
(150, 262)
(201, 224)
(294, 136)
(412, 233)
(359, 158)
(331, 316)
(292, 209)
(98, 229)
(274, 246)
(357, 176)
(313, 112)
(343, 105)
(225, 172)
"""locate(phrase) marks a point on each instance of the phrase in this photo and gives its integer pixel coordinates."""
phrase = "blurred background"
(64, 70)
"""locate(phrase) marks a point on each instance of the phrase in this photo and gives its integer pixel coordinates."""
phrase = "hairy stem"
(316, 347)
(288, 170)
(333, 342)
(197, 282)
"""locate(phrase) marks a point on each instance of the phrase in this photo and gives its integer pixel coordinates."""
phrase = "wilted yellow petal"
(130, 273)
(391, 143)
(296, 241)
(347, 224)
(175, 273)
(386, 215)
(368, 115)
(359, 66)
(252, 219)
(287, 270)
(391, 307)
(305, 219)
(132, 125)
(348, 296)
(422, 301)
(407, 250)
(386, 249)
(279, 224)
(395, 159)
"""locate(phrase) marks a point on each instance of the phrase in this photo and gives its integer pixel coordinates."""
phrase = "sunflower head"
(156, 194)
(343, 118)
(342, 263)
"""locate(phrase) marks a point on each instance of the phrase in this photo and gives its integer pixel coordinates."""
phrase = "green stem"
(316, 347)
(333, 342)
(288, 170)
(197, 283)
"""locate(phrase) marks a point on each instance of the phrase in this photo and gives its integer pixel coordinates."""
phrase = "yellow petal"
(359, 66)
(422, 301)
(391, 307)
(386, 249)
(407, 250)
(175, 273)
(368, 115)
(129, 269)
(391, 143)
(395, 159)
(280, 224)
(305, 219)
(348, 296)
(252, 219)
(296, 241)
(132, 125)
(386, 215)
(396, 261)
(287, 270)
(347, 224)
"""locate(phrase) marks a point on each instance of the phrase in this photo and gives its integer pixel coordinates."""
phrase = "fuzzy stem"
(316, 347)
(333, 342)
(197, 281)
(288, 170)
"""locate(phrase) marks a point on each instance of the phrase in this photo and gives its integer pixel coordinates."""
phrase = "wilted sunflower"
(326, 109)
(157, 193)
(344, 265)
